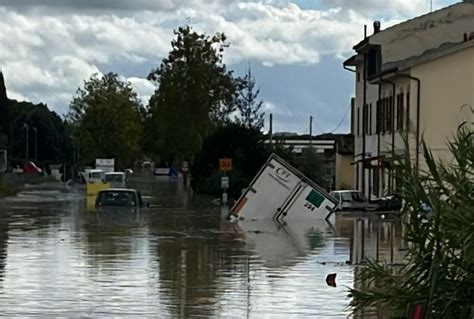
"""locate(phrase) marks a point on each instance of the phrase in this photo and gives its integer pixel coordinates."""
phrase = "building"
(413, 80)
(335, 154)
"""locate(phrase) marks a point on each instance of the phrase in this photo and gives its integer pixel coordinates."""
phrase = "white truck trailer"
(280, 191)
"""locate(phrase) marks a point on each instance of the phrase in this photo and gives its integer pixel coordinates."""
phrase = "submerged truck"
(280, 191)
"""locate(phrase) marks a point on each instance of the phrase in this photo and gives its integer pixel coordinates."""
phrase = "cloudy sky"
(295, 47)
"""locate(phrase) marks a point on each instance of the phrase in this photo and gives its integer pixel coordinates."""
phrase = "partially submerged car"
(116, 179)
(352, 200)
(389, 203)
(119, 197)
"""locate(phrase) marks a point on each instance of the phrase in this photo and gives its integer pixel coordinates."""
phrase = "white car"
(351, 200)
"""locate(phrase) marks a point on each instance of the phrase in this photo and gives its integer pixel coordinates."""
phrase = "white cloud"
(393, 7)
(46, 53)
(143, 87)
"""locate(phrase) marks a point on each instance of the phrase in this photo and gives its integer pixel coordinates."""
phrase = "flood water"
(178, 259)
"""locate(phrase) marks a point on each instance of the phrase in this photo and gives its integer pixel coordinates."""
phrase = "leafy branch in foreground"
(439, 218)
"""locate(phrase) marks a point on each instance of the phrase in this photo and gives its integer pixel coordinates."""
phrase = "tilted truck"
(280, 191)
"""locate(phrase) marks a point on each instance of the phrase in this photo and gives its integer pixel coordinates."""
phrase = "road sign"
(224, 182)
(225, 164)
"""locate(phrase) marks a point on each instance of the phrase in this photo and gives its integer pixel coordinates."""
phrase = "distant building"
(414, 79)
(336, 154)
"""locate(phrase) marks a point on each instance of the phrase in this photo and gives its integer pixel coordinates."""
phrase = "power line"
(342, 120)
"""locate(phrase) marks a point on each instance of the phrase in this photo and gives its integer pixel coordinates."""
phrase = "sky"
(294, 47)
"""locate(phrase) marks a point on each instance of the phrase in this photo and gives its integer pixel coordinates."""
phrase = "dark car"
(351, 200)
(389, 203)
(119, 197)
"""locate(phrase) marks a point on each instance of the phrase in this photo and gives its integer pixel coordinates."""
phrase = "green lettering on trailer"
(315, 198)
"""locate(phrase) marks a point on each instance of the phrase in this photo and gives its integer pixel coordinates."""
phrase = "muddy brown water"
(178, 259)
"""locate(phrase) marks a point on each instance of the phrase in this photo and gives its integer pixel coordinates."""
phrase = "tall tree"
(4, 123)
(195, 94)
(250, 110)
(106, 115)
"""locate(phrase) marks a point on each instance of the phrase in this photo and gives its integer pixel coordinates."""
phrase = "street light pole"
(26, 127)
(36, 143)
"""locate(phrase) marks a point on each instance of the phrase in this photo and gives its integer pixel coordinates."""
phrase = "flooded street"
(180, 258)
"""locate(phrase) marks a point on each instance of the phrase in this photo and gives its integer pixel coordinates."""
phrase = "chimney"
(376, 27)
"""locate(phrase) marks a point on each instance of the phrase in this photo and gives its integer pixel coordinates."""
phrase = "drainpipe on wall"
(364, 102)
(378, 116)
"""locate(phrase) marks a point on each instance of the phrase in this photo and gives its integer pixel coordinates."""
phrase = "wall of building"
(447, 84)
(414, 37)
(344, 172)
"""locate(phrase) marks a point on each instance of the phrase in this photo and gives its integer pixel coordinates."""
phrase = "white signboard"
(3, 161)
(279, 191)
(225, 182)
(105, 164)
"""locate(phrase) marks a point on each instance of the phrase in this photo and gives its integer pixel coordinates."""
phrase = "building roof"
(463, 3)
(429, 55)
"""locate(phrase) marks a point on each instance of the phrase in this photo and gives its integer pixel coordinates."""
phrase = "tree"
(106, 115)
(4, 119)
(245, 146)
(439, 222)
(195, 94)
(52, 140)
(250, 111)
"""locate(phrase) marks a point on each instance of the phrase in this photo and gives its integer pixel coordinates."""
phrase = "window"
(357, 175)
(375, 182)
(358, 76)
(370, 119)
(400, 111)
(358, 121)
(383, 115)
(407, 126)
(374, 61)
(378, 116)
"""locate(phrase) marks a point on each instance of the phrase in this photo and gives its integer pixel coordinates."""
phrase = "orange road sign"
(225, 164)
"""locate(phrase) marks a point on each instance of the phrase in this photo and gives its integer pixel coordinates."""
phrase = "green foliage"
(195, 94)
(106, 115)
(250, 111)
(243, 145)
(53, 143)
(439, 222)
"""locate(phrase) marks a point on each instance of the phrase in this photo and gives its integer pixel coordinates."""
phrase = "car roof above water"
(346, 191)
(118, 190)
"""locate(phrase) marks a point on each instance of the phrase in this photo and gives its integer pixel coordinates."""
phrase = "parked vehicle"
(31, 168)
(162, 171)
(94, 175)
(350, 200)
(116, 179)
(119, 197)
(389, 203)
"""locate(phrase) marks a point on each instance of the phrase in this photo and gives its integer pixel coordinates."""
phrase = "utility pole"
(26, 154)
(270, 131)
(310, 130)
(36, 143)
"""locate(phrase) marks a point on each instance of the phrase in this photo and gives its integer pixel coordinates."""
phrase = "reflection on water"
(179, 259)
